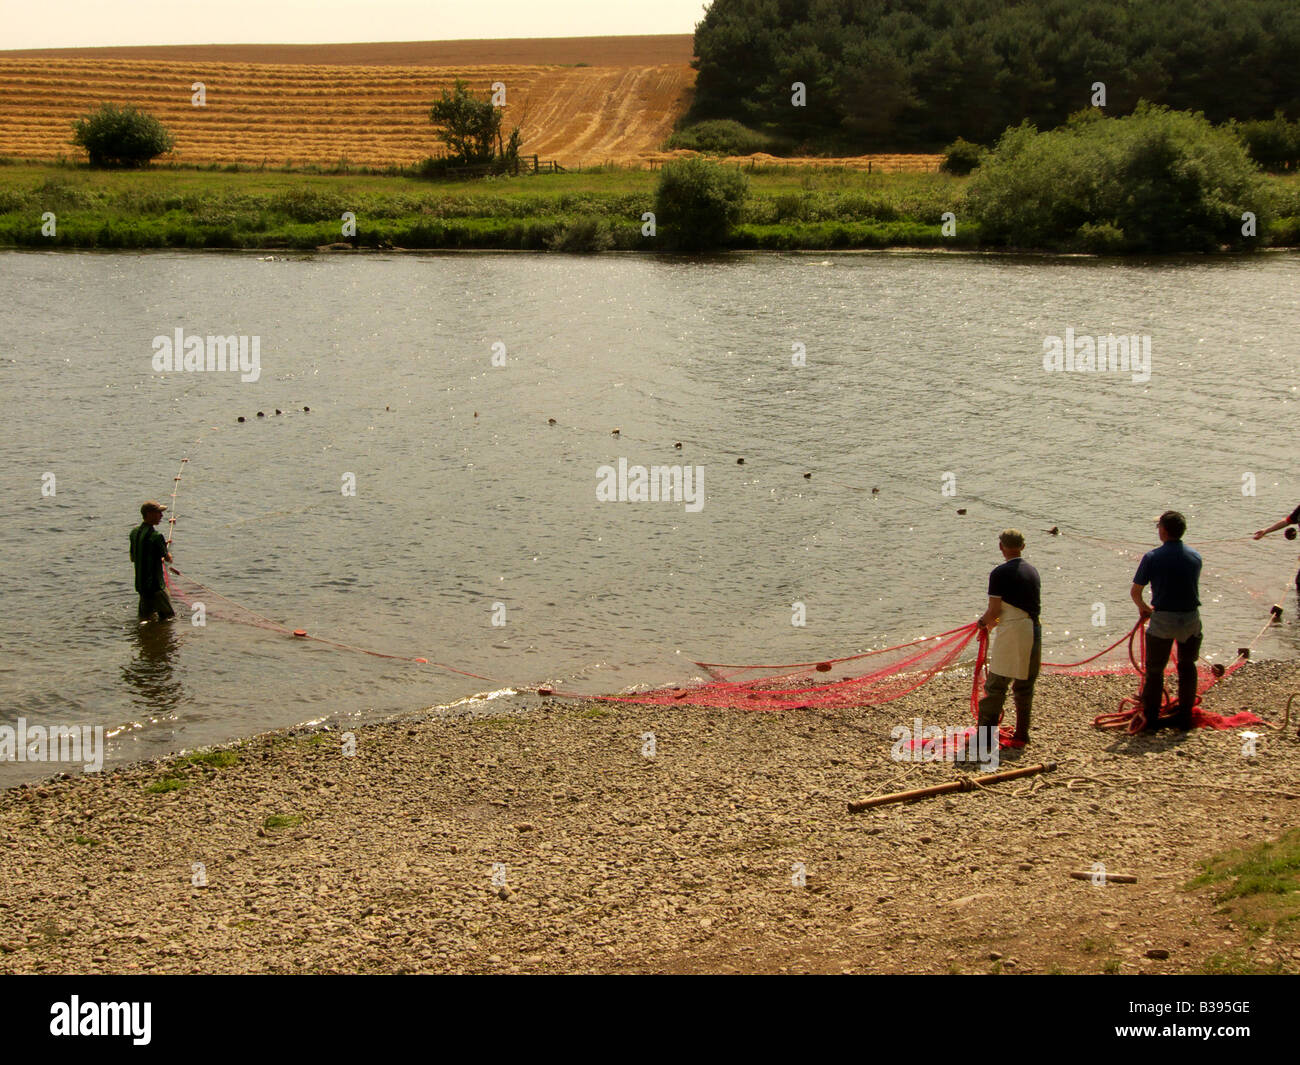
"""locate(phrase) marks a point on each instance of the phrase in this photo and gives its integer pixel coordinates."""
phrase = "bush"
(586, 235)
(697, 203)
(121, 136)
(307, 204)
(1273, 143)
(791, 207)
(1100, 239)
(1154, 181)
(721, 137)
(961, 157)
(12, 200)
(1285, 232)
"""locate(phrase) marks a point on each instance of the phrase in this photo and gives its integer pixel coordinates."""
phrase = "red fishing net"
(869, 678)
(876, 677)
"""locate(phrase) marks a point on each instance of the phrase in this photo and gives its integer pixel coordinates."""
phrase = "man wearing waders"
(1291, 519)
(1017, 646)
(149, 552)
(1173, 570)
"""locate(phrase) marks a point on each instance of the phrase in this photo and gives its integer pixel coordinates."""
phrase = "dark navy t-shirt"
(1294, 518)
(1016, 582)
(1173, 570)
(148, 549)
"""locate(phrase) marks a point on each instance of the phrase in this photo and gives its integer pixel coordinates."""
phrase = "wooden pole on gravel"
(965, 784)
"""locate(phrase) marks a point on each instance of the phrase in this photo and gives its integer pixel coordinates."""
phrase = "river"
(439, 498)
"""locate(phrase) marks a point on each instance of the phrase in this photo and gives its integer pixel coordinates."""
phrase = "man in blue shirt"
(1173, 570)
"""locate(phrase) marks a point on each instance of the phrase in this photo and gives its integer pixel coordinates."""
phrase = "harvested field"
(369, 116)
(582, 101)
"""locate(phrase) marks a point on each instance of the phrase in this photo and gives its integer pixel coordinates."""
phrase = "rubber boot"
(1023, 706)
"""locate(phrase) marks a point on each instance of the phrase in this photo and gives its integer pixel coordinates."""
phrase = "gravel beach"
(549, 841)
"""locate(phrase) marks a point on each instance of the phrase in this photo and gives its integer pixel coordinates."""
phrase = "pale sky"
(86, 23)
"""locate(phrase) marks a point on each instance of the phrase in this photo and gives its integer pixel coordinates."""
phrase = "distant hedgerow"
(722, 136)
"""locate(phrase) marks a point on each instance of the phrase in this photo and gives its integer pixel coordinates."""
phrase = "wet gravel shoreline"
(547, 841)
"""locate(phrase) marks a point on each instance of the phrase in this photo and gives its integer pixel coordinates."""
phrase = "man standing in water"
(1173, 570)
(1291, 519)
(149, 552)
(1014, 601)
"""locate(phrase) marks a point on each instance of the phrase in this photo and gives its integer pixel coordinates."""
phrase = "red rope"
(1131, 714)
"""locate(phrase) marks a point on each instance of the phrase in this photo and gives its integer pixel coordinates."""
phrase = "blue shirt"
(1173, 570)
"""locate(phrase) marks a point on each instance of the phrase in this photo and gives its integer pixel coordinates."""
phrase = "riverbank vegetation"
(786, 208)
(1154, 182)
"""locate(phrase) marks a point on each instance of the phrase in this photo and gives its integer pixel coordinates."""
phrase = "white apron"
(1013, 642)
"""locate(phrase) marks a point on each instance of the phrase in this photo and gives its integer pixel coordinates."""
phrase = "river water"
(475, 537)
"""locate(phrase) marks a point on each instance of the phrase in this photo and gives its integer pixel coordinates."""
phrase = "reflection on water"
(151, 674)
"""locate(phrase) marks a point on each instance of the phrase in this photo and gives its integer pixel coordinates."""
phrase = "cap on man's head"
(1012, 538)
(151, 508)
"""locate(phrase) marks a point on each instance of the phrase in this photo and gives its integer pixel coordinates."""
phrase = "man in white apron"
(1014, 602)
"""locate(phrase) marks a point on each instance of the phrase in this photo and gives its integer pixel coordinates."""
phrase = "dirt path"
(613, 861)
